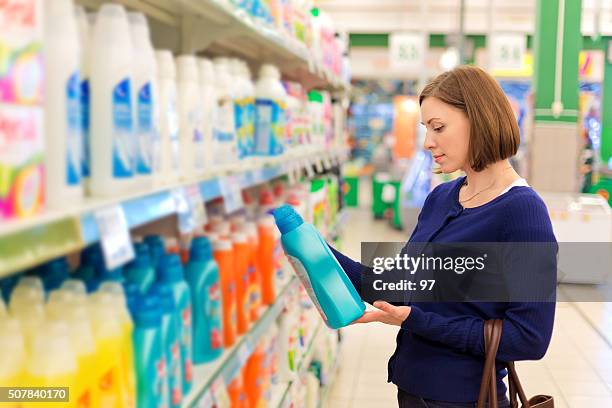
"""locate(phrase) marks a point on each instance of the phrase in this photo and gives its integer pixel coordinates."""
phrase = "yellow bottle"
(110, 377)
(63, 304)
(52, 362)
(12, 355)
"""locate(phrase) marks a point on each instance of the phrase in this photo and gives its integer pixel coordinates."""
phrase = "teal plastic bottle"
(202, 276)
(140, 271)
(170, 272)
(149, 358)
(170, 329)
(324, 279)
(156, 248)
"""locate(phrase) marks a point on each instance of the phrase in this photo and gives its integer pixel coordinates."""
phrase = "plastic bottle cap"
(266, 221)
(250, 229)
(222, 228)
(75, 286)
(207, 71)
(287, 219)
(266, 198)
(187, 68)
(170, 269)
(31, 281)
(269, 71)
(239, 238)
(222, 245)
(165, 64)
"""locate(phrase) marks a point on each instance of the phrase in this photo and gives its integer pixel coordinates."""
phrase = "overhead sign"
(506, 51)
(407, 50)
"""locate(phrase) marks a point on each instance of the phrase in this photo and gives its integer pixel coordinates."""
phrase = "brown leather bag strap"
(515, 385)
(488, 383)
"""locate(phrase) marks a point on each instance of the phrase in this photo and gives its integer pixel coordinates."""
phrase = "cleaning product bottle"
(202, 275)
(270, 100)
(254, 277)
(156, 248)
(243, 95)
(208, 95)
(168, 122)
(224, 256)
(144, 91)
(140, 270)
(254, 376)
(52, 362)
(170, 272)
(115, 289)
(171, 329)
(112, 127)
(149, 357)
(328, 286)
(12, 355)
(63, 139)
(112, 386)
(224, 138)
(190, 109)
(267, 243)
(241, 262)
(85, 44)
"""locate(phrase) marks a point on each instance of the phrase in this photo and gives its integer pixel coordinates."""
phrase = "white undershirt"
(517, 183)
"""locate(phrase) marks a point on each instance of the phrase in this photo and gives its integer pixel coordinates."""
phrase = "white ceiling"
(442, 16)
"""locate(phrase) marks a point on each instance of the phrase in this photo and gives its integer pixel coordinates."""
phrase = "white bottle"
(270, 102)
(112, 111)
(224, 146)
(145, 103)
(208, 95)
(85, 45)
(190, 119)
(244, 108)
(169, 124)
(63, 142)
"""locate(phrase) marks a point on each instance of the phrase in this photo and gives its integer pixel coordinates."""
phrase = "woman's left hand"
(386, 313)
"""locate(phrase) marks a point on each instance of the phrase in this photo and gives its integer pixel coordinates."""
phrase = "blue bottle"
(149, 358)
(324, 279)
(156, 248)
(54, 273)
(170, 328)
(140, 271)
(170, 273)
(202, 275)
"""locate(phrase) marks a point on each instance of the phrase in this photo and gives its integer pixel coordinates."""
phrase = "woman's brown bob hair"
(494, 132)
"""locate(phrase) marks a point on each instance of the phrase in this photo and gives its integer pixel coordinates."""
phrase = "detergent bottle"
(202, 275)
(254, 278)
(140, 271)
(12, 355)
(149, 357)
(112, 386)
(156, 248)
(115, 289)
(254, 376)
(51, 363)
(327, 284)
(170, 272)
(224, 256)
(241, 263)
(265, 258)
(170, 330)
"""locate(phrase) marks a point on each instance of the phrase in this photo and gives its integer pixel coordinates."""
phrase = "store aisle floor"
(577, 369)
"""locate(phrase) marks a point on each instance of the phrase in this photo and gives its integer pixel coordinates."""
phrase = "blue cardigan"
(440, 346)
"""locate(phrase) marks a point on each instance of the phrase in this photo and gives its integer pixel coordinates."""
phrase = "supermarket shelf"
(232, 359)
(221, 28)
(57, 232)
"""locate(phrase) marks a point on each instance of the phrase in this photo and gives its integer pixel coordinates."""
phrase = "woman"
(439, 357)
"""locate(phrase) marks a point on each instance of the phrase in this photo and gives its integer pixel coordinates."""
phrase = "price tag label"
(196, 204)
(206, 401)
(309, 171)
(231, 191)
(319, 164)
(219, 394)
(114, 236)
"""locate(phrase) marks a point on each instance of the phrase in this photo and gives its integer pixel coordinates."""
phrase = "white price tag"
(206, 401)
(309, 171)
(196, 204)
(231, 191)
(319, 164)
(114, 236)
(219, 394)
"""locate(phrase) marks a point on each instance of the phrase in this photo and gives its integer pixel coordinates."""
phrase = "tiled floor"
(577, 369)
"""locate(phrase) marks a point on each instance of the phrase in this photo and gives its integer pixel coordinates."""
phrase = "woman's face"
(448, 134)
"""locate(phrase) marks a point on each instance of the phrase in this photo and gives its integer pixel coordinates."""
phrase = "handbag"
(488, 385)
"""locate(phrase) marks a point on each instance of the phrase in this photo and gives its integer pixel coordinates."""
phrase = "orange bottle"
(265, 258)
(241, 262)
(236, 392)
(254, 288)
(224, 256)
(254, 376)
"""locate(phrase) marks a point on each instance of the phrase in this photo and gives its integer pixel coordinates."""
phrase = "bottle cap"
(269, 71)
(222, 245)
(239, 238)
(201, 249)
(287, 219)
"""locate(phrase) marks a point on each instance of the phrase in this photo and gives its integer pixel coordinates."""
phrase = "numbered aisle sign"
(407, 51)
(506, 51)
(114, 236)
